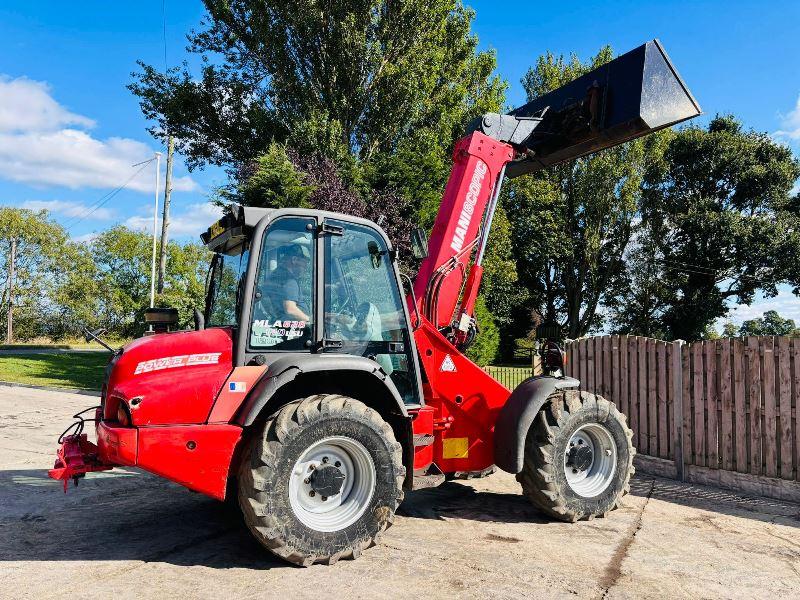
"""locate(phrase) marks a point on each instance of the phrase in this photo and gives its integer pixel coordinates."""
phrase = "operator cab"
(309, 282)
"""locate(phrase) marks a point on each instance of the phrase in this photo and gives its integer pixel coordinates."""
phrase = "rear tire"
(324, 444)
(578, 457)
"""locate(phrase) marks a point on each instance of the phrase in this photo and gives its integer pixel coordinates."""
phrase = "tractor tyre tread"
(261, 460)
(540, 480)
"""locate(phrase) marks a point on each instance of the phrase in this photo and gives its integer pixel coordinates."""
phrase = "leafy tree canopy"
(770, 324)
(51, 291)
(720, 226)
(484, 350)
(572, 223)
(122, 257)
(358, 77)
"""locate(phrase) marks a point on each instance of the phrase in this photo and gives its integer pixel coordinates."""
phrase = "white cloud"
(790, 124)
(785, 303)
(68, 209)
(38, 146)
(27, 105)
(192, 221)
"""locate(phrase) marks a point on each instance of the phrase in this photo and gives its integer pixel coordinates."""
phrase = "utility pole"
(12, 259)
(155, 238)
(162, 258)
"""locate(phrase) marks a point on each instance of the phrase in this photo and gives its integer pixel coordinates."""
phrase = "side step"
(423, 439)
(431, 476)
(474, 474)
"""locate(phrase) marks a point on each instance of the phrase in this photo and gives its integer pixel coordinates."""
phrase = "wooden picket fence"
(727, 405)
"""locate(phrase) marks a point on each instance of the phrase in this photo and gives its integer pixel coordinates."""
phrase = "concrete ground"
(128, 534)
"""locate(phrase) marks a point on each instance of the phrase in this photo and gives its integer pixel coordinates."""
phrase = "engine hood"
(170, 378)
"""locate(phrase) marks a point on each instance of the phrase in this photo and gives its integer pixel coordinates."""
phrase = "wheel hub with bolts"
(332, 483)
(326, 481)
(580, 457)
(590, 460)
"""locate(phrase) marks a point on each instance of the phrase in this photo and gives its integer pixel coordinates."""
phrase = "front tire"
(322, 481)
(578, 457)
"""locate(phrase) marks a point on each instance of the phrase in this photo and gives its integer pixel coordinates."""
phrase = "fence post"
(677, 408)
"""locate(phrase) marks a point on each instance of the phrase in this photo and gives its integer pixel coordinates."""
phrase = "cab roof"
(233, 228)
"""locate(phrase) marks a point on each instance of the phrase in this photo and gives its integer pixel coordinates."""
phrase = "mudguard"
(517, 415)
(286, 369)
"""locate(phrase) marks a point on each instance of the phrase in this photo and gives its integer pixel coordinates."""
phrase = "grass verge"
(79, 370)
(510, 377)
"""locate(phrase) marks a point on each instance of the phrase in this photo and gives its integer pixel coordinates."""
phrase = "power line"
(164, 31)
(106, 197)
(676, 265)
(680, 269)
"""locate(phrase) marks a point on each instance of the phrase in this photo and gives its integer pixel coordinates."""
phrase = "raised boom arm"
(628, 97)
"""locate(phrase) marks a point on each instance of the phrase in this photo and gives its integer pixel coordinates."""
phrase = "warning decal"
(448, 365)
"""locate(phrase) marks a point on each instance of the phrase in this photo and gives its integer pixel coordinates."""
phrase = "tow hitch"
(77, 455)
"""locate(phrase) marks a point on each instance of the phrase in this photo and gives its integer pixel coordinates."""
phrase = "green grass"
(510, 377)
(79, 370)
(84, 370)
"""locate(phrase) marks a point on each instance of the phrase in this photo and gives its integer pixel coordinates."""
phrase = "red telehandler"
(317, 390)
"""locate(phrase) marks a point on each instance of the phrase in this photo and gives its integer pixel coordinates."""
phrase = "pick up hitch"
(77, 455)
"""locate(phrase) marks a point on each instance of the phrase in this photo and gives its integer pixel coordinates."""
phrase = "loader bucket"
(633, 95)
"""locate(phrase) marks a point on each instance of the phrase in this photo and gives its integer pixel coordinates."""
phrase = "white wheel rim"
(589, 480)
(341, 510)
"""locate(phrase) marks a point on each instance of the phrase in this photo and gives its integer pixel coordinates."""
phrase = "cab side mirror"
(374, 254)
(419, 243)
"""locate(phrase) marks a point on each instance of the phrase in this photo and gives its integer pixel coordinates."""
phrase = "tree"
(122, 257)
(729, 330)
(720, 225)
(484, 350)
(373, 73)
(48, 299)
(360, 101)
(770, 324)
(572, 223)
(273, 180)
(635, 299)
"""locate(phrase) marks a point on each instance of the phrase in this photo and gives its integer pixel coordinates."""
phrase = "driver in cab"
(288, 297)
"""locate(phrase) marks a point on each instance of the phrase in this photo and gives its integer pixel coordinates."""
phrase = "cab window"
(283, 303)
(224, 282)
(364, 313)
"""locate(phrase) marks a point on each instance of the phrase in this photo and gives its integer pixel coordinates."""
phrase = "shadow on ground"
(716, 500)
(121, 516)
(130, 515)
(456, 500)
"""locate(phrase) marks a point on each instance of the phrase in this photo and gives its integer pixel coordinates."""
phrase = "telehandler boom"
(317, 391)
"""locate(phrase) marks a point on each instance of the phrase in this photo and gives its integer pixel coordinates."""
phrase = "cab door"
(364, 312)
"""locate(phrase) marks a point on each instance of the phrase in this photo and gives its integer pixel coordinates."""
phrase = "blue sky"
(70, 131)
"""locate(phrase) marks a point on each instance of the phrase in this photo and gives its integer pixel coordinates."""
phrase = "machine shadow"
(458, 500)
(120, 515)
(717, 500)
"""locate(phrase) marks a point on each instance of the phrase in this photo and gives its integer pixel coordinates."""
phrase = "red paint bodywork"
(176, 387)
(474, 151)
(465, 401)
(179, 412)
(198, 456)
(173, 395)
